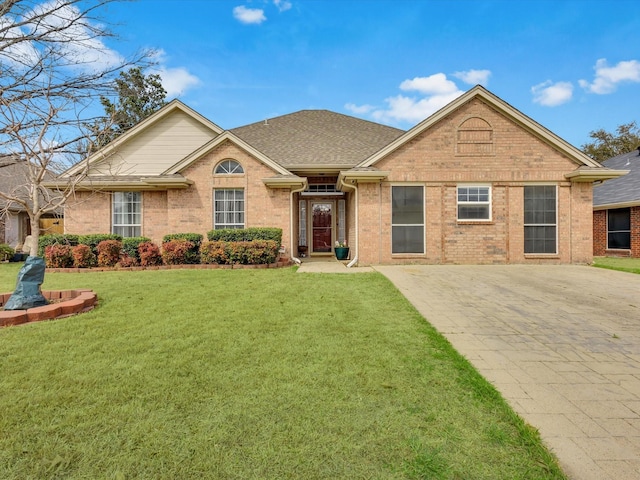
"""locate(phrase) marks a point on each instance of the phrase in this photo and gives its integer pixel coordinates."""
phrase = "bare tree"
(54, 67)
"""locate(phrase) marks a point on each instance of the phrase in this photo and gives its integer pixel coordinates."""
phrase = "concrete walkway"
(561, 343)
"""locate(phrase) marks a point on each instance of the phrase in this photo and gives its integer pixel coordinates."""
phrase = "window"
(127, 214)
(228, 208)
(474, 203)
(407, 219)
(619, 228)
(227, 167)
(540, 219)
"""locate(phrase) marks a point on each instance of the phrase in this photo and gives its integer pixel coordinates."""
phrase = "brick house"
(616, 209)
(477, 182)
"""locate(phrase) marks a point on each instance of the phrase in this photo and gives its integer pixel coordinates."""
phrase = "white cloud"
(249, 15)
(359, 109)
(282, 5)
(607, 78)
(474, 77)
(436, 84)
(407, 109)
(175, 80)
(551, 94)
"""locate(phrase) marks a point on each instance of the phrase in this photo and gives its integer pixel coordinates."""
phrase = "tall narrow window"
(474, 202)
(540, 219)
(342, 224)
(619, 228)
(302, 223)
(228, 208)
(407, 219)
(126, 217)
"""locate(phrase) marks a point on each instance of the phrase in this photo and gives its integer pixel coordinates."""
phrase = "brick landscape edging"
(67, 303)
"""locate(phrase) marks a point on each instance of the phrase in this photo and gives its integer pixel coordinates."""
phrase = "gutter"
(355, 192)
(293, 192)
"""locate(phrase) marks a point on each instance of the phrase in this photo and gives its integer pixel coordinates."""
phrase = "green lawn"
(631, 265)
(249, 374)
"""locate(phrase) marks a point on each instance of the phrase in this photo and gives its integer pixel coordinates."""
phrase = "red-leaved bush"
(254, 252)
(174, 252)
(128, 261)
(83, 257)
(149, 254)
(109, 253)
(58, 256)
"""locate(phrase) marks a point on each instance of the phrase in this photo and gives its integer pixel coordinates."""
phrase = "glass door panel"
(322, 221)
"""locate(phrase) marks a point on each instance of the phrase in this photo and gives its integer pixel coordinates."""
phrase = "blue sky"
(573, 66)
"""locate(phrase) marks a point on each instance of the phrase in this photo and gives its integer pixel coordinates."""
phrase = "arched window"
(228, 167)
(475, 137)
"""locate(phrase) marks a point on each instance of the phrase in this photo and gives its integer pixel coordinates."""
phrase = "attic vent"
(475, 137)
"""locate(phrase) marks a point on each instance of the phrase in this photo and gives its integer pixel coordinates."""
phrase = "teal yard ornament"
(27, 293)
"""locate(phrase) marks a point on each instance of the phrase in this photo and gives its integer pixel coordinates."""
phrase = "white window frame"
(542, 224)
(423, 224)
(228, 166)
(128, 209)
(226, 223)
(473, 195)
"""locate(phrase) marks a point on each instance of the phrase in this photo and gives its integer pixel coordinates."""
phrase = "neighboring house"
(14, 220)
(616, 209)
(477, 182)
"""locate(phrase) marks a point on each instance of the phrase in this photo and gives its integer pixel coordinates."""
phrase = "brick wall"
(514, 158)
(88, 212)
(600, 235)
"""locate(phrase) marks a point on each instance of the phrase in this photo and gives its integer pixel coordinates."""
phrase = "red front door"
(322, 214)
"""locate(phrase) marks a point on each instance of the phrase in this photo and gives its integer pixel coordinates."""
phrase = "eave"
(610, 206)
(586, 174)
(352, 177)
(288, 181)
(142, 183)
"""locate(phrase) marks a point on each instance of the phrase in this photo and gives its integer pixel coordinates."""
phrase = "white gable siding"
(157, 148)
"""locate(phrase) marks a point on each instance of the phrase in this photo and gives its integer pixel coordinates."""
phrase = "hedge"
(246, 234)
(192, 255)
(56, 239)
(255, 252)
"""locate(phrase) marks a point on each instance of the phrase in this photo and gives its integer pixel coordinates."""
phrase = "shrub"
(94, 239)
(214, 253)
(176, 252)
(246, 234)
(58, 256)
(128, 261)
(193, 255)
(83, 257)
(245, 253)
(130, 246)
(6, 252)
(149, 254)
(109, 253)
(55, 239)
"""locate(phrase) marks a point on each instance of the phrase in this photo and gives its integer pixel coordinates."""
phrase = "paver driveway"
(561, 343)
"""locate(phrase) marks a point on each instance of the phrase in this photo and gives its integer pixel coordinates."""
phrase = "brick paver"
(560, 342)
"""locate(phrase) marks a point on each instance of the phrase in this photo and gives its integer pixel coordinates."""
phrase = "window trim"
(223, 225)
(115, 225)
(488, 203)
(220, 166)
(525, 225)
(618, 231)
(423, 224)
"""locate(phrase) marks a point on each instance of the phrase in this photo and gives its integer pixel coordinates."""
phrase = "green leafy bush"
(246, 234)
(176, 252)
(256, 252)
(94, 239)
(193, 255)
(83, 257)
(109, 252)
(58, 256)
(56, 239)
(6, 252)
(149, 254)
(130, 246)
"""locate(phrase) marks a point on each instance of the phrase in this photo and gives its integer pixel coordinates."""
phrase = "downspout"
(291, 205)
(355, 192)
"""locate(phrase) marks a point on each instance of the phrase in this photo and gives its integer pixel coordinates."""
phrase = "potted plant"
(342, 250)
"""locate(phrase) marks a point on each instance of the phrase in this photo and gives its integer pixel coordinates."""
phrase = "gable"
(156, 148)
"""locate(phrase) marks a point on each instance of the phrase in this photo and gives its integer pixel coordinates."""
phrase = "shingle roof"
(625, 189)
(14, 181)
(316, 138)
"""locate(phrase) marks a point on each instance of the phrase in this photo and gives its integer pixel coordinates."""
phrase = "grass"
(249, 374)
(631, 265)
